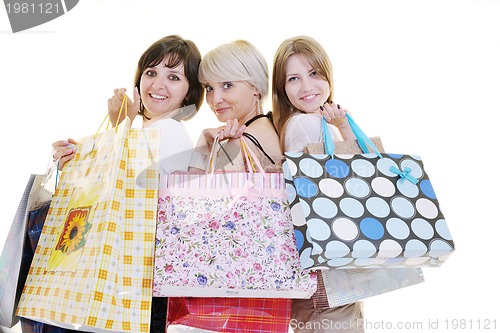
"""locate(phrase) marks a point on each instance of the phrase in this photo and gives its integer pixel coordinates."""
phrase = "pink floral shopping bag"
(227, 235)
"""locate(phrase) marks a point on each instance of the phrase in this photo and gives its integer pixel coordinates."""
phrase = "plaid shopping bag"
(93, 267)
(231, 315)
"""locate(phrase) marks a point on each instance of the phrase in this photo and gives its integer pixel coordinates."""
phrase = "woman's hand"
(233, 130)
(115, 103)
(64, 150)
(208, 136)
(336, 115)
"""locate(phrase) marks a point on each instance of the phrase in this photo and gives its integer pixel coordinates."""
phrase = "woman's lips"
(309, 98)
(221, 110)
(159, 97)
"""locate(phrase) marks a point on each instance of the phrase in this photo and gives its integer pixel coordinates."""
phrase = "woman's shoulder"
(262, 129)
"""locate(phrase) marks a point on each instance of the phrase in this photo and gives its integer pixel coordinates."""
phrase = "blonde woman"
(236, 81)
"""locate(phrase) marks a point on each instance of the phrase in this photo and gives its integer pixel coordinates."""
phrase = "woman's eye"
(208, 89)
(292, 78)
(227, 85)
(314, 73)
(173, 78)
(150, 72)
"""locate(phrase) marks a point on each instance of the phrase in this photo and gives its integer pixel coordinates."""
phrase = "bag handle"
(122, 107)
(258, 145)
(328, 143)
(211, 157)
(251, 158)
(363, 140)
(52, 170)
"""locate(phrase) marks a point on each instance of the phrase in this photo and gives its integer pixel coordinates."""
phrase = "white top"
(176, 145)
(303, 129)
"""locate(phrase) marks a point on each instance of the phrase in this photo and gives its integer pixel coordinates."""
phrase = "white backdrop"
(424, 75)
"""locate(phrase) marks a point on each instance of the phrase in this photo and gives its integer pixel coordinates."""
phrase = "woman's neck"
(248, 117)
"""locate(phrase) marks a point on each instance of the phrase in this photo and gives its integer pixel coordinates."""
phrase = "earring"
(259, 111)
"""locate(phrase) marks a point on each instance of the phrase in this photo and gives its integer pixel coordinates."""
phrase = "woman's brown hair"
(180, 51)
(320, 62)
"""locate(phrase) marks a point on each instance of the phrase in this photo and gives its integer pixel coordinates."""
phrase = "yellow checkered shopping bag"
(93, 267)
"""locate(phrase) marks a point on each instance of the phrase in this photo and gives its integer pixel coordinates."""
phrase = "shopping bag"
(13, 271)
(344, 147)
(345, 286)
(365, 210)
(20, 244)
(230, 315)
(93, 267)
(227, 235)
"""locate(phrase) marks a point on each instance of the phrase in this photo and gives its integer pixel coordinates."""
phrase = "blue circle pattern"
(337, 168)
(374, 229)
(426, 188)
(299, 237)
(306, 188)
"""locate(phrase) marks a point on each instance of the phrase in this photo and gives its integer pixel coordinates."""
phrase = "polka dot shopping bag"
(364, 210)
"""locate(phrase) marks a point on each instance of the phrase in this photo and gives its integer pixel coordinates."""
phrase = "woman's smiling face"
(305, 88)
(232, 100)
(163, 89)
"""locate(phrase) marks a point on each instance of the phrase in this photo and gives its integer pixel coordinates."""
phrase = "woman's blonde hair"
(236, 61)
(320, 62)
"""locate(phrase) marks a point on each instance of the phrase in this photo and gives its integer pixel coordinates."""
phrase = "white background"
(424, 75)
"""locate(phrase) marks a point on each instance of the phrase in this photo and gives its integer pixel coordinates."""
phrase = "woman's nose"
(305, 84)
(218, 95)
(159, 81)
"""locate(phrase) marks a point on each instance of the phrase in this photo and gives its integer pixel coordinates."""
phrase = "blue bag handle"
(327, 138)
(363, 140)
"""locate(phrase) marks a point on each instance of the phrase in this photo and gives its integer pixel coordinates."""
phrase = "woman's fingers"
(232, 130)
(334, 114)
(64, 150)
